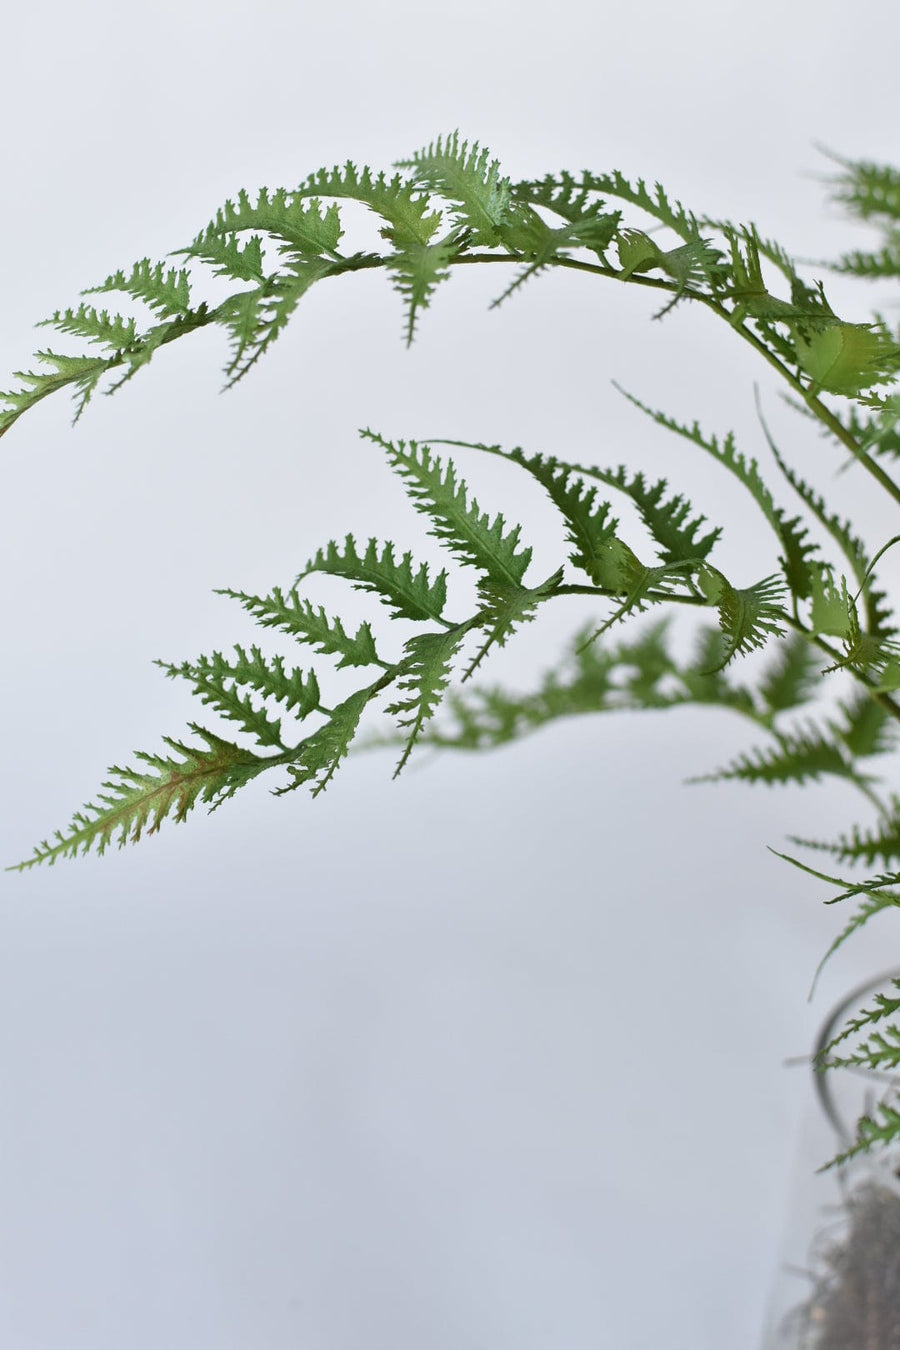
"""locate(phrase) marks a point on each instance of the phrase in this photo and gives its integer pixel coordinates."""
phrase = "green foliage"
(408, 594)
(138, 801)
(817, 610)
(469, 181)
(467, 532)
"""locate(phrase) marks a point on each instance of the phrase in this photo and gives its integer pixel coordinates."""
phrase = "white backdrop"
(489, 1058)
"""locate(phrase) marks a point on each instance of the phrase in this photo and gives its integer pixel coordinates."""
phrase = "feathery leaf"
(468, 533)
(469, 179)
(216, 682)
(408, 594)
(791, 533)
(424, 676)
(304, 622)
(138, 801)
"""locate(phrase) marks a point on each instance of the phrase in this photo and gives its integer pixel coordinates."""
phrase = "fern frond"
(868, 907)
(790, 678)
(683, 222)
(408, 594)
(872, 266)
(689, 264)
(467, 532)
(307, 624)
(879, 1054)
(880, 433)
(562, 195)
(669, 521)
(884, 1006)
(216, 682)
(878, 615)
(256, 318)
(765, 248)
(870, 191)
(301, 224)
(468, 178)
(425, 674)
(881, 843)
(703, 681)
(796, 757)
(167, 291)
(542, 245)
(589, 526)
(748, 616)
(417, 271)
(138, 800)
(226, 255)
(747, 288)
(868, 727)
(586, 683)
(317, 758)
(82, 372)
(110, 330)
(790, 532)
(504, 609)
(405, 207)
(880, 1126)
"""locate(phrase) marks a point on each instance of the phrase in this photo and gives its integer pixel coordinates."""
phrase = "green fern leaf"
(791, 533)
(589, 526)
(790, 679)
(868, 729)
(689, 264)
(417, 272)
(304, 622)
(138, 801)
(424, 679)
(867, 909)
(256, 318)
(216, 682)
(878, 614)
(112, 331)
(543, 246)
(880, 1126)
(884, 1006)
(407, 593)
(468, 533)
(404, 206)
(302, 226)
(83, 372)
(226, 255)
(317, 758)
(879, 1054)
(506, 608)
(564, 197)
(208, 676)
(871, 191)
(684, 223)
(748, 616)
(870, 846)
(470, 180)
(872, 266)
(487, 718)
(703, 682)
(167, 292)
(669, 521)
(748, 289)
(797, 757)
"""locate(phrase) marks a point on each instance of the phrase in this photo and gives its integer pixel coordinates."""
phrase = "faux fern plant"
(815, 609)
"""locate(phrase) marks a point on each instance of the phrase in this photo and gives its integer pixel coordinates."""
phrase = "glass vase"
(838, 1285)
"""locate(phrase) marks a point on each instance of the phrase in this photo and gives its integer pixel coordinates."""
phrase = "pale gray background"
(489, 1058)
